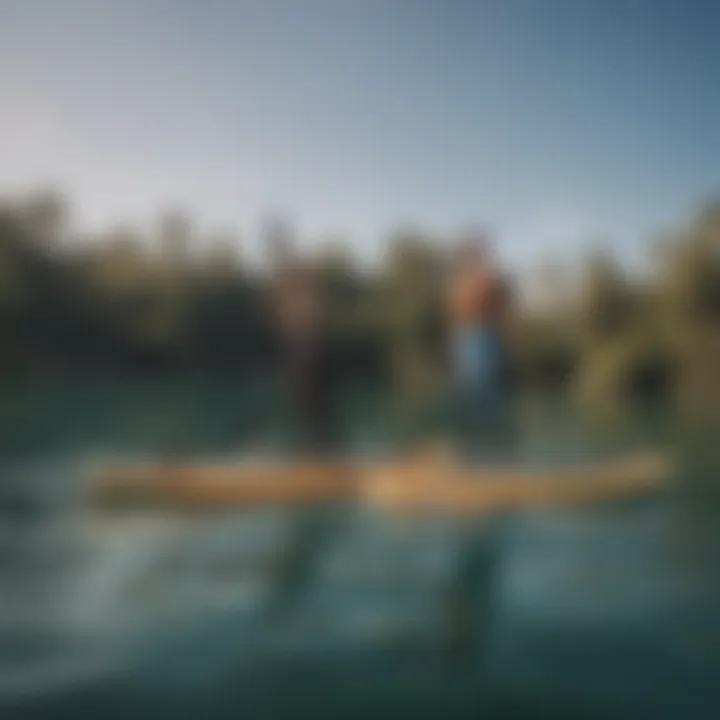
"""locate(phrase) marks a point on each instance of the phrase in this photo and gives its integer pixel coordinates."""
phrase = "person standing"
(307, 362)
(478, 300)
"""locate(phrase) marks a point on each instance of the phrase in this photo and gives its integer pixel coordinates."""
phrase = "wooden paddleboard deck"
(405, 487)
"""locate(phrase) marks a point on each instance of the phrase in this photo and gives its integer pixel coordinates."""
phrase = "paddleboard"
(409, 486)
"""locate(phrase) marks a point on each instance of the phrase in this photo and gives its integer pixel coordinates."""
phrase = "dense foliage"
(172, 302)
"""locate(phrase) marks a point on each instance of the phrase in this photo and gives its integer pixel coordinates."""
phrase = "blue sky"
(554, 122)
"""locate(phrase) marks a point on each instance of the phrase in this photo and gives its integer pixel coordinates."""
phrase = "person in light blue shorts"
(479, 361)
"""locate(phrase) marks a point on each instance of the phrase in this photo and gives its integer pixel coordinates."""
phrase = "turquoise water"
(592, 612)
(207, 416)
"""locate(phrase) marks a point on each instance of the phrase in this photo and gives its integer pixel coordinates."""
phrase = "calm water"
(593, 612)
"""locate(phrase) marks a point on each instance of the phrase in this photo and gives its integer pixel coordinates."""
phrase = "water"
(581, 613)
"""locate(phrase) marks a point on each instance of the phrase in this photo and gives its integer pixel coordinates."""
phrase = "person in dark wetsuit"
(307, 361)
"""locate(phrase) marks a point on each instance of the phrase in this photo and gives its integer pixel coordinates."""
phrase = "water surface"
(586, 612)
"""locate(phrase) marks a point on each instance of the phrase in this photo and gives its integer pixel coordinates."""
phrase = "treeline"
(168, 302)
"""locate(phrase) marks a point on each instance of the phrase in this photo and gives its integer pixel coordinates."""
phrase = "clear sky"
(552, 121)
